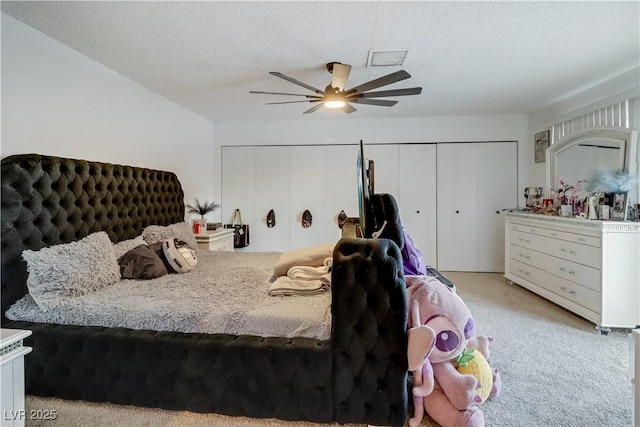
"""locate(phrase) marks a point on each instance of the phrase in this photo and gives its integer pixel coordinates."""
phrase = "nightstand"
(12, 363)
(216, 240)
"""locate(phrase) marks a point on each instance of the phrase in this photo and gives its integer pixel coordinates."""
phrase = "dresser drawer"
(224, 245)
(578, 273)
(527, 272)
(573, 237)
(218, 240)
(527, 240)
(576, 252)
(526, 228)
(572, 291)
(527, 256)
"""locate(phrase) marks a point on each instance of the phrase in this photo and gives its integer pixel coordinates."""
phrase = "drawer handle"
(526, 273)
(564, 288)
(524, 256)
(524, 240)
(554, 234)
(580, 239)
(564, 270)
(567, 251)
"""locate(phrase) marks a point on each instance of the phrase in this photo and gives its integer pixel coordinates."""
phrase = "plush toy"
(472, 362)
(449, 378)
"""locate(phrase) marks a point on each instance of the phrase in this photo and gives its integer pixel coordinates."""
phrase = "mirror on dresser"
(576, 157)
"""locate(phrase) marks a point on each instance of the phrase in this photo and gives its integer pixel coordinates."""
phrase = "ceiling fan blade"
(380, 102)
(289, 102)
(282, 93)
(340, 74)
(297, 82)
(382, 81)
(348, 108)
(314, 108)
(392, 92)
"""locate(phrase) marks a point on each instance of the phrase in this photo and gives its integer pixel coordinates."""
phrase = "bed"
(357, 375)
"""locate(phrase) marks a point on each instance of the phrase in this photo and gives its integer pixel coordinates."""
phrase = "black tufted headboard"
(383, 208)
(49, 200)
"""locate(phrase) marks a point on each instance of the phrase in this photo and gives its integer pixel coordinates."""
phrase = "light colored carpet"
(556, 370)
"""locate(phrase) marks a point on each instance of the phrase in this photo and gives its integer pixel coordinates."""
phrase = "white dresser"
(12, 363)
(216, 240)
(589, 267)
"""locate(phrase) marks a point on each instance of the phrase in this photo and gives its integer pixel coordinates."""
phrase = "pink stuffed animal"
(440, 328)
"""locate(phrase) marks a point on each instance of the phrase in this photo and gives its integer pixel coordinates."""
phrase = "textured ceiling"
(469, 57)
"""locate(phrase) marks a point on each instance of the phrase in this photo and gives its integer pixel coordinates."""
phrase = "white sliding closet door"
(307, 192)
(416, 196)
(272, 191)
(385, 157)
(456, 207)
(500, 191)
(289, 180)
(341, 186)
(475, 182)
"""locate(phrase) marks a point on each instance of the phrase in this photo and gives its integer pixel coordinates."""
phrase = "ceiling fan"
(335, 95)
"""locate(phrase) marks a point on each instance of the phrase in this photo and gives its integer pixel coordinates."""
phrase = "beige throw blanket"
(305, 271)
(312, 256)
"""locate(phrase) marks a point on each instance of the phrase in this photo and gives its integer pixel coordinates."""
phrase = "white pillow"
(158, 233)
(70, 269)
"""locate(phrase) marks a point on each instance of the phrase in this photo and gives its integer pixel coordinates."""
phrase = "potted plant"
(202, 209)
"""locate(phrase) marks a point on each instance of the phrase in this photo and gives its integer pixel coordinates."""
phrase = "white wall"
(56, 101)
(403, 130)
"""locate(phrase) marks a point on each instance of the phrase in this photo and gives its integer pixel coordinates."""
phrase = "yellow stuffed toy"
(471, 362)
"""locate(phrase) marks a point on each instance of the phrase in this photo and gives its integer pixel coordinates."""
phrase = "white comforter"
(227, 293)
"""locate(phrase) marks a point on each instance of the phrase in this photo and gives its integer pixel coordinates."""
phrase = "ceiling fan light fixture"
(333, 98)
(335, 103)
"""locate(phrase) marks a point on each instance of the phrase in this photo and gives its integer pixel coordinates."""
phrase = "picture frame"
(619, 202)
(541, 143)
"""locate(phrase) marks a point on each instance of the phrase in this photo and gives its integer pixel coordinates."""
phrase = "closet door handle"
(457, 211)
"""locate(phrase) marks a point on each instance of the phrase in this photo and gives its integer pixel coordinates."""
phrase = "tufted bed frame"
(359, 375)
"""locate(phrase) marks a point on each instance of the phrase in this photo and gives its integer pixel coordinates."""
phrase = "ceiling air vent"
(386, 58)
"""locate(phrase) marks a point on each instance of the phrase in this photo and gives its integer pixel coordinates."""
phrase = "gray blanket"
(227, 292)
